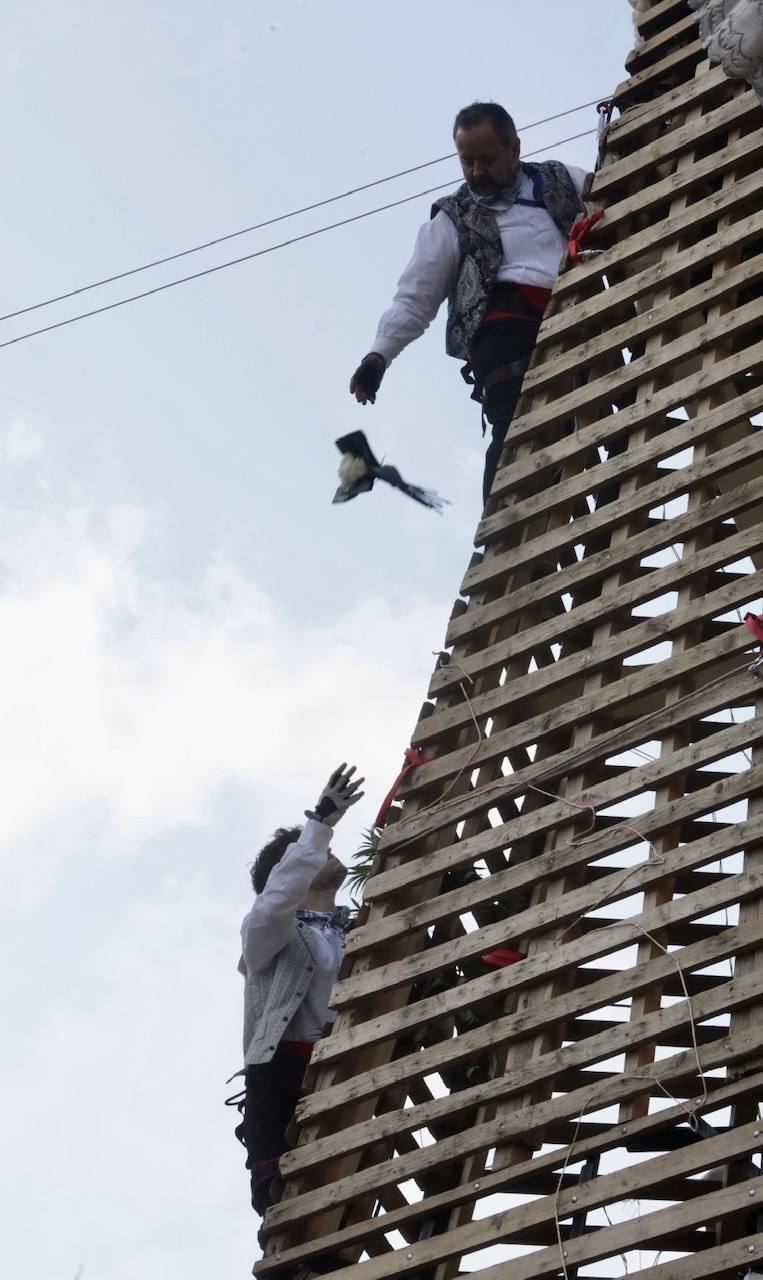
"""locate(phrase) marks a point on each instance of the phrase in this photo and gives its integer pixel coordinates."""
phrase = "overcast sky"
(191, 634)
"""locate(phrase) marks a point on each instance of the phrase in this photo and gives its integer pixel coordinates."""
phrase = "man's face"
(330, 875)
(487, 162)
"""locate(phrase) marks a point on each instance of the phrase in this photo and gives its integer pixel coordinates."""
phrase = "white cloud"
(131, 700)
(141, 718)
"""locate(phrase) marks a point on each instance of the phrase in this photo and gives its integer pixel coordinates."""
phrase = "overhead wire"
(249, 257)
(268, 222)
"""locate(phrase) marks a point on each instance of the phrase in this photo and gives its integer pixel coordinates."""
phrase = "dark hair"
(478, 112)
(271, 854)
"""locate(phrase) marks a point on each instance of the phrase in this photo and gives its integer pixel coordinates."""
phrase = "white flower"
(351, 469)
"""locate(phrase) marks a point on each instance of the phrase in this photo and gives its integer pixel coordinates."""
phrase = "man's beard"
(485, 187)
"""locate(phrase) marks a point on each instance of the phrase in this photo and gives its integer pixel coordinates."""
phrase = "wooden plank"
(606, 1190)
(651, 678)
(505, 884)
(643, 202)
(676, 266)
(640, 636)
(673, 141)
(473, 848)
(514, 1026)
(357, 987)
(622, 738)
(652, 47)
(655, 538)
(683, 393)
(636, 119)
(603, 1138)
(649, 1230)
(614, 339)
(645, 81)
(565, 626)
(713, 1264)
(350, 1038)
(611, 387)
(733, 415)
(668, 1071)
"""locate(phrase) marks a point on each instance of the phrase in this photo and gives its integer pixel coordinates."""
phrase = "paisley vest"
(482, 251)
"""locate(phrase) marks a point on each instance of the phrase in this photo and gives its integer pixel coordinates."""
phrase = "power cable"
(269, 222)
(259, 253)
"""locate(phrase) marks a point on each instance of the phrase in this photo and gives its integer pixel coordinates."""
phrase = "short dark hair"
(478, 112)
(271, 854)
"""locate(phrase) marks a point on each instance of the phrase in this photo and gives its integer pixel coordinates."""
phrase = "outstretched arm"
(421, 290)
(267, 928)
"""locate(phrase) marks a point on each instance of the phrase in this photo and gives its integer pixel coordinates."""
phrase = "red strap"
(300, 1048)
(755, 622)
(414, 757)
(502, 956)
(579, 233)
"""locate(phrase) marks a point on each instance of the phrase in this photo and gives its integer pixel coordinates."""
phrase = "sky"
(192, 635)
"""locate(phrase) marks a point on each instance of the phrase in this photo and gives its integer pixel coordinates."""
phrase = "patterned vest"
(482, 251)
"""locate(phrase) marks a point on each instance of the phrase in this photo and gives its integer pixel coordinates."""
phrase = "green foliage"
(360, 868)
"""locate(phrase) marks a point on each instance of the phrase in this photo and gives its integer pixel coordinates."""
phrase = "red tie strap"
(755, 623)
(579, 233)
(501, 956)
(414, 757)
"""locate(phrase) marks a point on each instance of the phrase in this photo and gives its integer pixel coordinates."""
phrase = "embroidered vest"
(482, 251)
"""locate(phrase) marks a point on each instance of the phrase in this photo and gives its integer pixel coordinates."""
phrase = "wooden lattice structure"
(608, 822)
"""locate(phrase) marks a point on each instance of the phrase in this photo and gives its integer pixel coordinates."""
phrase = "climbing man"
(292, 943)
(493, 250)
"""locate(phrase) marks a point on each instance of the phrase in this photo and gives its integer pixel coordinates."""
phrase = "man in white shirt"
(292, 944)
(493, 250)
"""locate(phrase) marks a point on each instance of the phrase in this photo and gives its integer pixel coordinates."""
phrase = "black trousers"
(272, 1092)
(498, 344)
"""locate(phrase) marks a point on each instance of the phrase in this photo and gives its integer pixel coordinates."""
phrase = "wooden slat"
(673, 141)
(354, 988)
(504, 884)
(631, 734)
(669, 441)
(636, 638)
(668, 1071)
(513, 1026)
(620, 1185)
(747, 149)
(603, 1139)
(565, 684)
(374, 1029)
(634, 121)
(566, 625)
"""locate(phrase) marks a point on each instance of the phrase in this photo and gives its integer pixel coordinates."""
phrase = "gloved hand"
(366, 379)
(336, 797)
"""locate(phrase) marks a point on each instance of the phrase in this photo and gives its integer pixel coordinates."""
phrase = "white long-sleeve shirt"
(532, 249)
(271, 922)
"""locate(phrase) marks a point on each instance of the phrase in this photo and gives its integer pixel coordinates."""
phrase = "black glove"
(368, 375)
(337, 796)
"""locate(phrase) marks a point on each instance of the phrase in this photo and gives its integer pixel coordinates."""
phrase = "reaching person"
(292, 944)
(493, 250)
